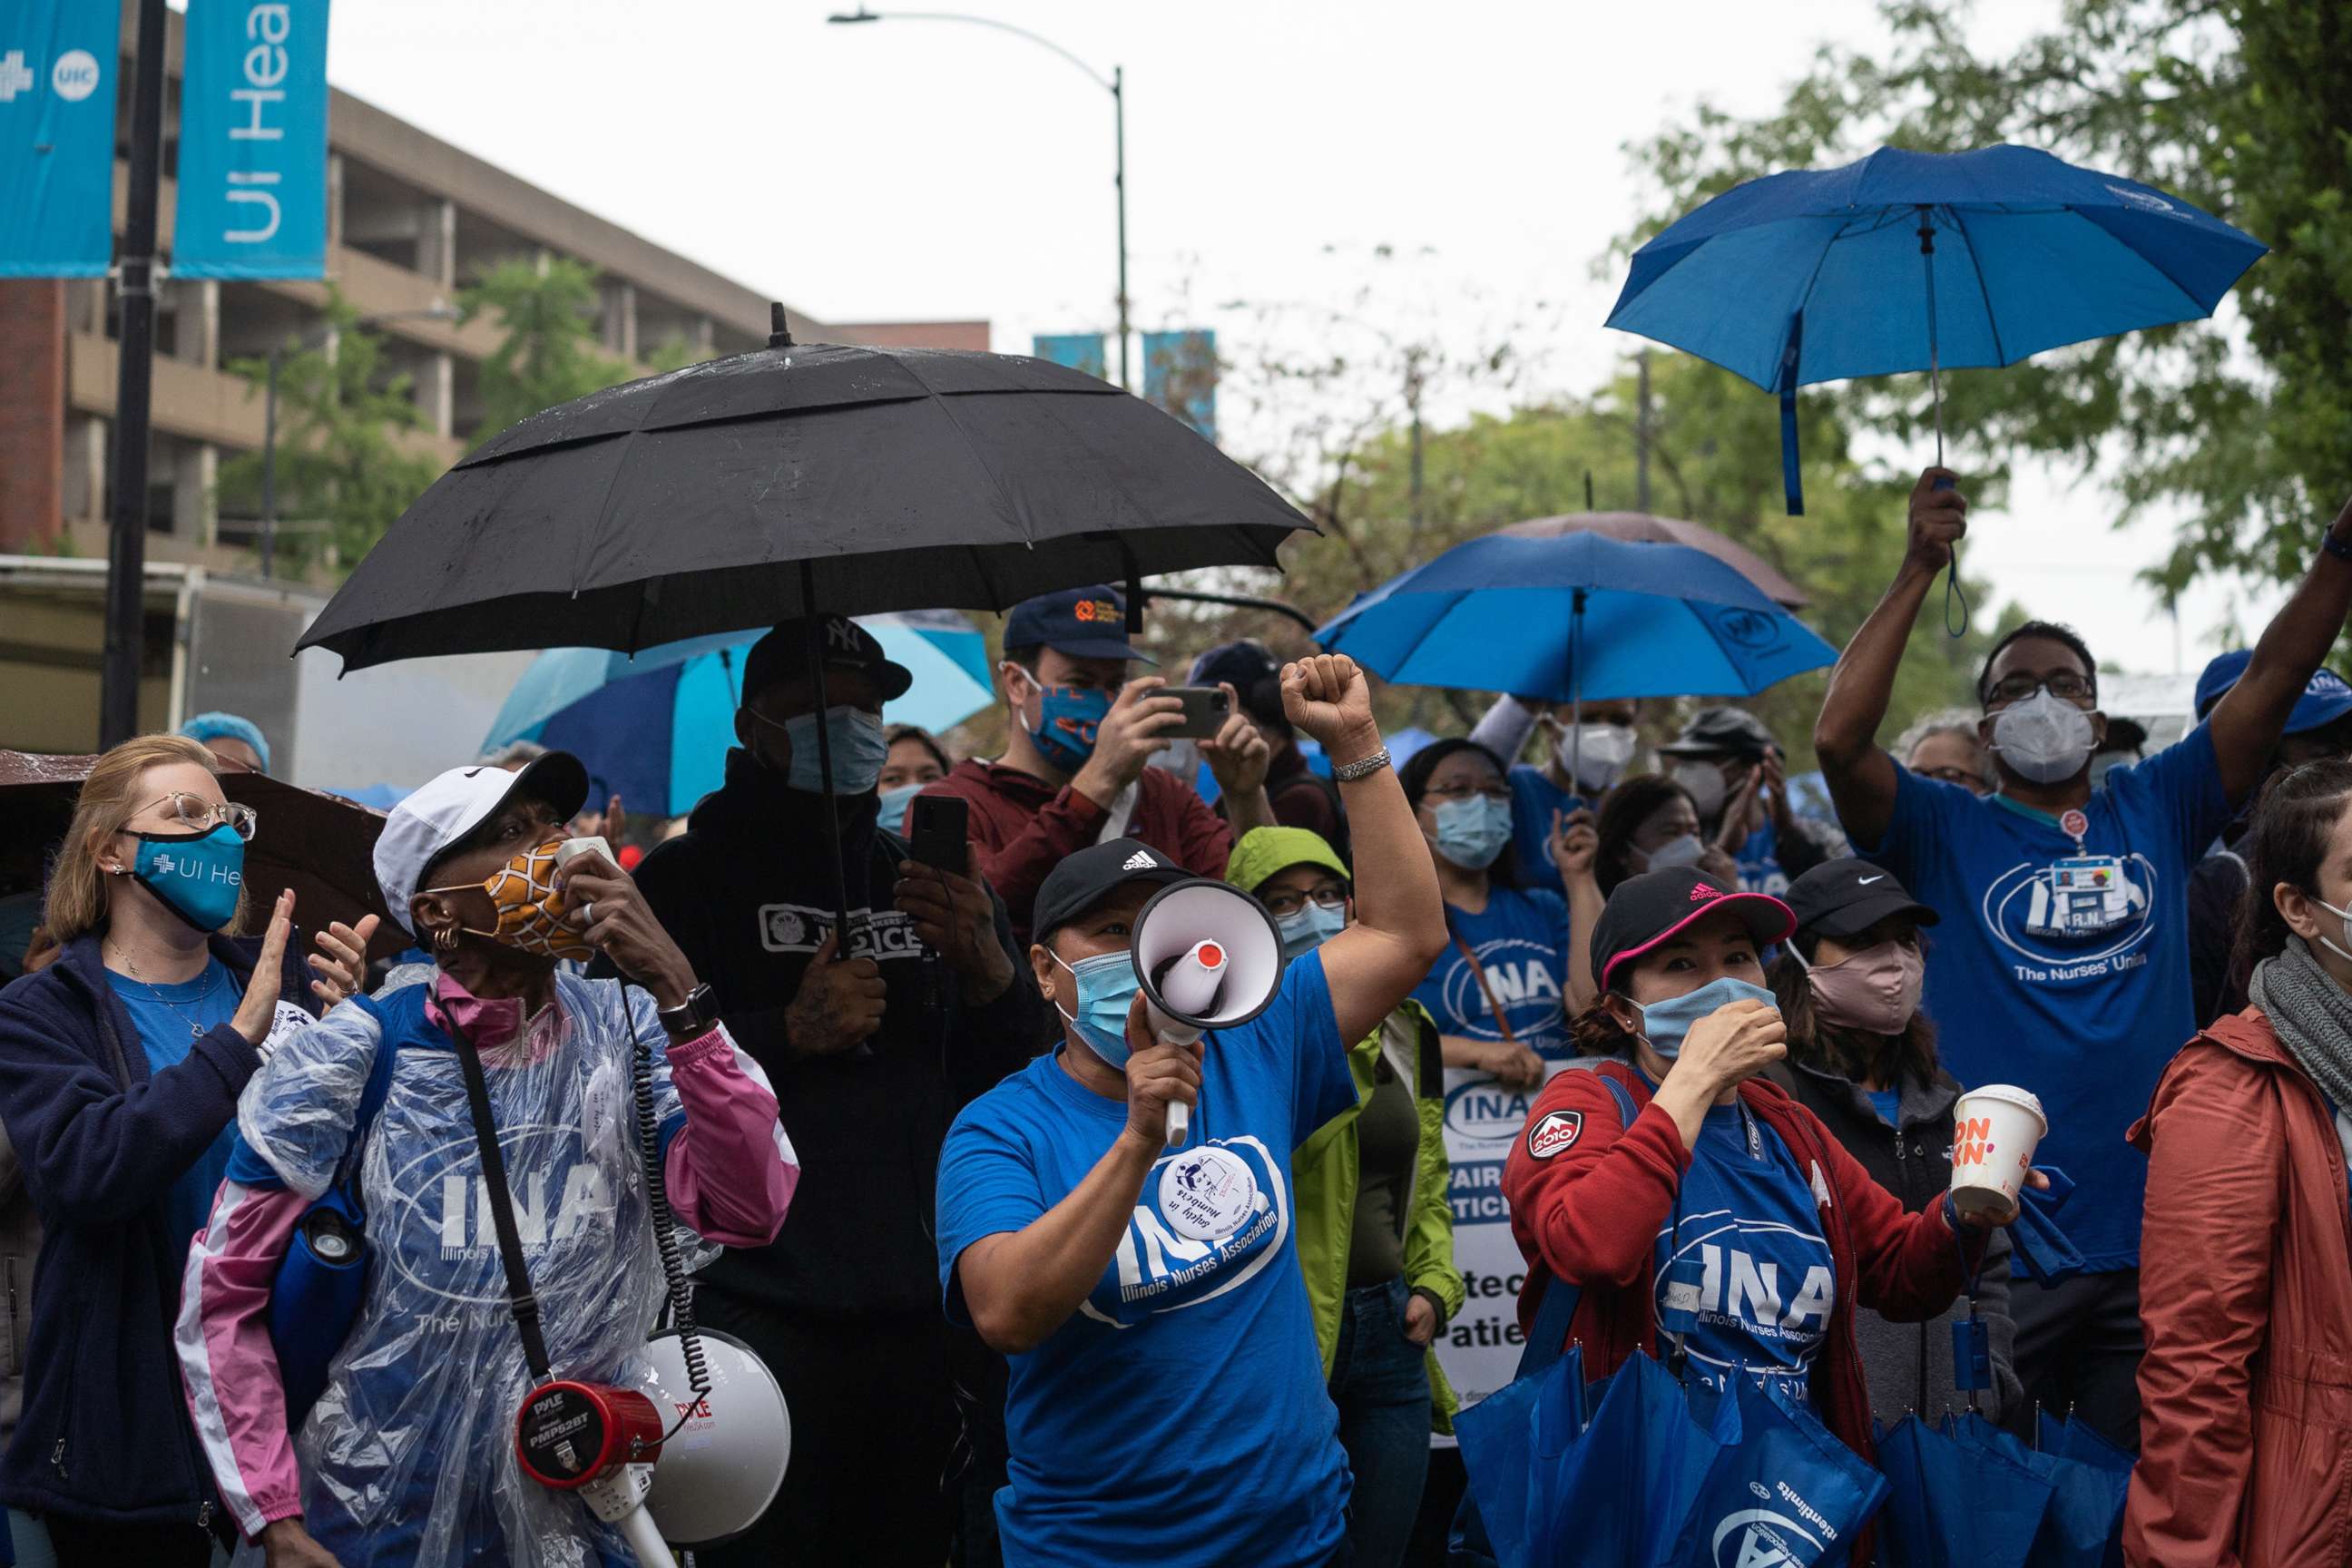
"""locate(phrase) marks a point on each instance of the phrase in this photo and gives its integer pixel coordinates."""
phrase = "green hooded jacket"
(1324, 1168)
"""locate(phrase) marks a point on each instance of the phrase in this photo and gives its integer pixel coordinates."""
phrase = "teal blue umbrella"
(654, 730)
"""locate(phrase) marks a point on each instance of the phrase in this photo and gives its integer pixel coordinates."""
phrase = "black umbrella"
(790, 480)
(793, 479)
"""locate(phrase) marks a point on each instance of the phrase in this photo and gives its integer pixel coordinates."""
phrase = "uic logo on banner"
(75, 76)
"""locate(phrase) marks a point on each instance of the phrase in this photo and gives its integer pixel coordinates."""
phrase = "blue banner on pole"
(253, 141)
(57, 65)
(1080, 351)
(1179, 374)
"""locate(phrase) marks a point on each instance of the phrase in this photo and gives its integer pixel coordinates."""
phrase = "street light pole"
(1115, 84)
(1119, 176)
(269, 468)
(126, 543)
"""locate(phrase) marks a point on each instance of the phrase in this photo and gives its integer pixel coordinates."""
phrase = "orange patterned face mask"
(531, 907)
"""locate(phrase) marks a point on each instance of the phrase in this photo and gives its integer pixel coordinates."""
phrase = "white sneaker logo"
(1865, 881)
(1138, 861)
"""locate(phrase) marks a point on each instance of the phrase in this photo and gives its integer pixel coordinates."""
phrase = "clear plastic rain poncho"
(409, 1457)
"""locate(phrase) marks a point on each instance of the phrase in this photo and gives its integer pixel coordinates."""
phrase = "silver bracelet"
(1361, 768)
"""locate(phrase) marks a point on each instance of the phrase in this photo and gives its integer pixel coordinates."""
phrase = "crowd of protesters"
(924, 1156)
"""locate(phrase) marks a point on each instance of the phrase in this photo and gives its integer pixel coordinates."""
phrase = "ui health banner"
(253, 141)
(1080, 351)
(1179, 374)
(58, 59)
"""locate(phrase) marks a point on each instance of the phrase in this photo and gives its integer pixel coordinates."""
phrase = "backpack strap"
(1556, 1314)
(372, 1095)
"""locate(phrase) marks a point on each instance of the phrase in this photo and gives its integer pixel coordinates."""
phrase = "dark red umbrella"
(319, 844)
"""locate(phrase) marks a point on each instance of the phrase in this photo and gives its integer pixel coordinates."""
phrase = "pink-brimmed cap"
(1649, 910)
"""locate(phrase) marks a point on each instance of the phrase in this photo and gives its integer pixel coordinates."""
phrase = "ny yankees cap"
(783, 655)
(1846, 897)
(1649, 909)
(1086, 878)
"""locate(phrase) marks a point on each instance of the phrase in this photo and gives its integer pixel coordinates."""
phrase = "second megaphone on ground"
(1210, 957)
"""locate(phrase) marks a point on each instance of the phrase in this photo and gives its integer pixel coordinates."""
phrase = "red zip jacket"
(1024, 827)
(1591, 1211)
(2245, 1288)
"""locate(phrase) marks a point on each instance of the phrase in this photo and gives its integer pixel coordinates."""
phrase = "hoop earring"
(445, 940)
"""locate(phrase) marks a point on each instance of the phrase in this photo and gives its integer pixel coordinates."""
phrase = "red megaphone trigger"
(569, 1434)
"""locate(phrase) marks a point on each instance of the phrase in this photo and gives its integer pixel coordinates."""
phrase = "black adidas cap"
(1087, 877)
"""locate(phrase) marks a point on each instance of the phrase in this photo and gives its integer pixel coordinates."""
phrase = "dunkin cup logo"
(1972, 1140)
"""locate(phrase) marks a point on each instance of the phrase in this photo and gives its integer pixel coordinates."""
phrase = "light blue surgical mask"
(1308, 927)
(198, 876)
(1470, 832)
(1106, 988)
(1664, 1024)
(894, 802)
(859, 745)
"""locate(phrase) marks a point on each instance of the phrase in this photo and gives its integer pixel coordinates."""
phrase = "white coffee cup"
(1995, 1129)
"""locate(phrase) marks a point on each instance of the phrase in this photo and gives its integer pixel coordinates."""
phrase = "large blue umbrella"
(1819, 274)
(1577, 617)
(654, 730)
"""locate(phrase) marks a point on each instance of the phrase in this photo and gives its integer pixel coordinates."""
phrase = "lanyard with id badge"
(2079, 897)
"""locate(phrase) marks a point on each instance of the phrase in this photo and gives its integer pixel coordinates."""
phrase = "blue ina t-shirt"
(1759, 863)
(1178, 1417)
(1533, 797)
(1520, 939)
(168, 1018)
(2064, 970)
(1753, 1282)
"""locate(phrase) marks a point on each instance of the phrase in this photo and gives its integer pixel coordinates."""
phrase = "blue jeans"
(1380, 1381)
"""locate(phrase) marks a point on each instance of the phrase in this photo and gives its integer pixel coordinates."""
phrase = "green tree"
(2243, 107)
(550, 354)
(1715, 455)
(340, 458)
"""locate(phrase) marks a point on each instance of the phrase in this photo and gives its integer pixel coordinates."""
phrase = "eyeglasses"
(1289, 901)
(195, 811)
(2066, 685)
(1498, 790)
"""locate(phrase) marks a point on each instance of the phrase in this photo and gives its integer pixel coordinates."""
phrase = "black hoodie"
(746, 894)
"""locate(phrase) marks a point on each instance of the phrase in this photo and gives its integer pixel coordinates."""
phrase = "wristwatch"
(693, 1016)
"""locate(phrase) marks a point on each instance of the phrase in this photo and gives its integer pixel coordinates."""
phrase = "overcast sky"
(924, 170)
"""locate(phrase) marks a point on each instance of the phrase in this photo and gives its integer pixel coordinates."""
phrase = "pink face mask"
(1875, 990)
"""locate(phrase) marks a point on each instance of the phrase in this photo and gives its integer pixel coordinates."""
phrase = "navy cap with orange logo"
(1084, 623)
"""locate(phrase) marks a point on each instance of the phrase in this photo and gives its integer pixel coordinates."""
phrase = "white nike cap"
(452, 804)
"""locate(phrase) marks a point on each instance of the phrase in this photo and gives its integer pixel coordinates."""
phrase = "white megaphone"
(662, 1466)
(1209, 956)
(721, 1468)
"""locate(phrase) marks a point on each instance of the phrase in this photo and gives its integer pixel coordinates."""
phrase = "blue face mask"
(1068, 718)
(1471, 832)
(1106, 988)
(198, 877)
(859, 745)
(1308, 927)
(1664, 1024)
(895, 802)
